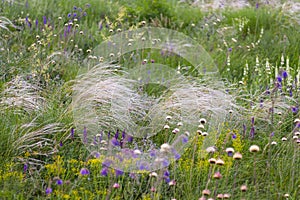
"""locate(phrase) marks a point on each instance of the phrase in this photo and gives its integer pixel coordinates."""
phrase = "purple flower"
(167, 173)
(104, 171)
(279, 79)
(59, 182)
(230, 49)
(60, 143)
(252, 120)
(48, 190)
(72, 133)
(295, 109)
(25, 168)
(84, 135)
(106, 163)
(256, 5)
(284, 74)
(69, 15)
(115, 142)
(272, 134)
(45, 20)
(233, 136)
(84, 14)
(119, 172)
(87, 5)
(75, 8)
(36, 22)
(252, 132)
(74, 14)
(84, 171)
(185, 139)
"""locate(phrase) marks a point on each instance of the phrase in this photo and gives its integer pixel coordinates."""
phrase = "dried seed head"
(220, 162)
(220, 196)
(166, 126)
(284, 139)
(204, 134)
(217, 175)
(202, 121)
(273, 143)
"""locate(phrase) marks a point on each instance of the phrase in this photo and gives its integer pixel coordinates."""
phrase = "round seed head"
(254, 148)
(237, 156)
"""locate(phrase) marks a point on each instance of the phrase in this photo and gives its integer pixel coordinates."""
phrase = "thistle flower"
(237, 156)
(220, 162)
(204, 134)
(153, 174)
(59, 182)
(217, 175)
(104, 171)
(220, 196)
(206, 192)
(202, 121)
(226, 196)
(212, 161)
(229, 151)
(116, 185)
(243, 188)
(284, 139)
(172, 183)
(176, 130)
(165, 147)
(254, 148)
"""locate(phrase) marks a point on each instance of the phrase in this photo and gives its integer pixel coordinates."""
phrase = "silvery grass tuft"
(20, 95)
(106, 100)
(37, 141)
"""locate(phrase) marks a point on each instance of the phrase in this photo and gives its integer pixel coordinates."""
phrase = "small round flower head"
(206, 192)
(254, 148)
(244, 188)
(172, 183)
(187, 133)
(59, 182)
(202, 121)
(153, 174)
(297, 121)
(237, 156)
(165, 147)
(217, 175)
(229, 151)
(210, 199)
(202, 198)
(286, 195)
(116, 185)
(204, 134)
(48, 190)
(84, 171)
(220, 162)
(199, 132)
(111, 55)
(137, 152)
(279, 113)
(230, 111)
(284, 139)
(211, 149)
(143, 23)
(88, 51)
(297, 133)
(298, 141)
(201, 126)
(166, 126)
(226, 196)
(176, 130)
(295, 137)
(168, 117)
(220, 196)
(273, 143)
(179, 124)
(212, 161)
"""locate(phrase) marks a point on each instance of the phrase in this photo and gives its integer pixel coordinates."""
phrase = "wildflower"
(210, 149)
(217, 175)
(153, 174)
(104, 171)
(137, 152)
(286, 195)
(243, 188)
(284, 74)
(153, 189)
(295, 109)
(25, 168)
(284, 139)
(202, 121)
(165, 147)
(212, 160)
(254, 148)
(176, 130)
(84, 171)
(237, 156)
(166, 126)
(118, 172)
(69, 15)
(220, 162)
(297, 120)
(179, 124)
(199, 132)
(201, 126)
(206, 192)
(273, 143)
(226, 196)
(59, 182)
(172, 183)
(297, 133)
(229, 151)
(168, 117)
(220, 196)
(48, 190)
(295, 137)
(202, 198)
(116, 185)
(45, 20)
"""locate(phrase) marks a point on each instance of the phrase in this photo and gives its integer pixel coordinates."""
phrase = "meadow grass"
(45, 44)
